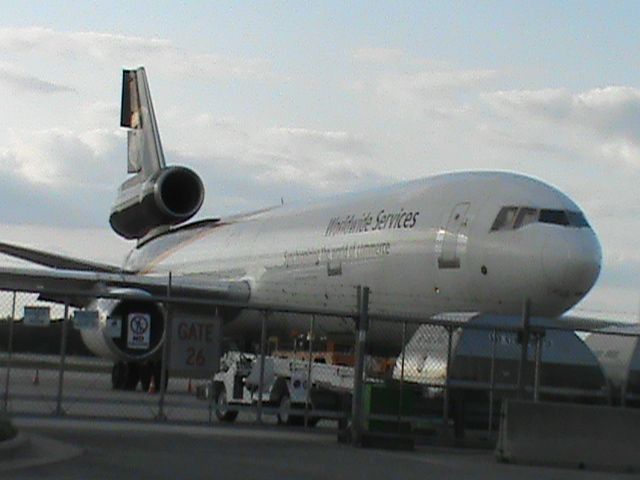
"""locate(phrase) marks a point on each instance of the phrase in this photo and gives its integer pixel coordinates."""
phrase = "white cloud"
(405, 85)
(119, 49)
(326, 161)
(610, 116)
(25, 82)
(59, 157)
(321, 161)
(554, 103)
(379, 55)
(425, 82)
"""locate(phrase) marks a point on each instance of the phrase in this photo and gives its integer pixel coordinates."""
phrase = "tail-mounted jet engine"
(172, 195)
(157, 195)
(131, 333)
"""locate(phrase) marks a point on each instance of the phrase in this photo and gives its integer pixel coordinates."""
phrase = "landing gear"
(125, 376)
(146, 372)
(157, 375)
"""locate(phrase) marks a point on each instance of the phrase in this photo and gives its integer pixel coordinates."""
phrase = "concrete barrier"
(12, 447)
(579, 436)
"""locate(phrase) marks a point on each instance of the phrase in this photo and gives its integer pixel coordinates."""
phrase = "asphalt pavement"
(128, 450)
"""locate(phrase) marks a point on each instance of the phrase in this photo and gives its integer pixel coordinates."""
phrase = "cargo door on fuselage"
(451, 241)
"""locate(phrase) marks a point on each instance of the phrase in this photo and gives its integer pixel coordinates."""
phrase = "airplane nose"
(571, 261)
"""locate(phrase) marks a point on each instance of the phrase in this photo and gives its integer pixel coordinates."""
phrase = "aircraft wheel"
(223, 413)
(157, 375)
(145, 372)
(284, 413)
(132, 376)
(124, 376)
(118, 372)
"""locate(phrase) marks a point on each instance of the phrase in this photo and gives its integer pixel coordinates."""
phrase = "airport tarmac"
(143, 448)
(125, 450)
(89, 393)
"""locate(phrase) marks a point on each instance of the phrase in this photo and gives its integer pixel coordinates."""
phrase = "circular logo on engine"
(139, 324)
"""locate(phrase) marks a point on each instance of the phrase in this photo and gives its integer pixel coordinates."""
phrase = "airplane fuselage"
(423, 247)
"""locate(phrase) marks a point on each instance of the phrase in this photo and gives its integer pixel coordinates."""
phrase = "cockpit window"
(576, 219)
(504, 220)
(557, 217)
(513, 218)
(525, 217)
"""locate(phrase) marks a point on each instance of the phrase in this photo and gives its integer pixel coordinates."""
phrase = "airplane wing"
(80, 287)
(588, 323)
(53, 260)
(567, 321)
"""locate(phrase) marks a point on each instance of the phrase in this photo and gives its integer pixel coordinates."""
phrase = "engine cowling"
(172, 195)
(128, 330)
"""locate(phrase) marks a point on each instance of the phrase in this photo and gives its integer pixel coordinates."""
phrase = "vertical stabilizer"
(155, 197)
(145, 154)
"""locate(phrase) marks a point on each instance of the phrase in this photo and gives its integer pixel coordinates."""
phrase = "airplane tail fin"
(145, 153)
(155, 197)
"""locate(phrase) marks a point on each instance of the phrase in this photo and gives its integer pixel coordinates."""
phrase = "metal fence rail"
(439, 376)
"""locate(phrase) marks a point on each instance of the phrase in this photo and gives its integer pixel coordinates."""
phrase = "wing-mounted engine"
(171, 196)
(156, 195)
(129, 330)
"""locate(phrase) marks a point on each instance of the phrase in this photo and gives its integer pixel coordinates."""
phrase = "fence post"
(492, 378)
(536, 378)
(309, 363)
(358, 378)
(7, 379)
(263, 354)
(402, 359)
(445, 406)
(524, 350)
(164, 364)
(63, 354)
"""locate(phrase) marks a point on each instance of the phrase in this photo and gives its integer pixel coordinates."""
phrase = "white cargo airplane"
(473, 241)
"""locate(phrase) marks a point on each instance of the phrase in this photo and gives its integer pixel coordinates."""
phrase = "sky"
(296, 100)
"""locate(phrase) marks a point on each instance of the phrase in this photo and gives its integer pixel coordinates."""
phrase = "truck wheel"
(313, 421)
(223, 413)
(284, 413)
(124, 376)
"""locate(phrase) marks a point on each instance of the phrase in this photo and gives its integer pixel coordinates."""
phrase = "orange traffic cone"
(36, 377)
(152, 385)
(189, 388)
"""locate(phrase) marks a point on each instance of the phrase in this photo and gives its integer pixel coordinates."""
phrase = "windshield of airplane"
(513, 218)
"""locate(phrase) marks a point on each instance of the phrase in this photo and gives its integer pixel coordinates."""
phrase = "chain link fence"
(445, 375)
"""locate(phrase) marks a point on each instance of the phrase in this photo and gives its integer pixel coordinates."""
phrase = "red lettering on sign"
(200, 332)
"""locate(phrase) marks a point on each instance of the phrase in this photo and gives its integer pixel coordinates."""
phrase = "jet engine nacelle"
(130, 330)
(172, 195)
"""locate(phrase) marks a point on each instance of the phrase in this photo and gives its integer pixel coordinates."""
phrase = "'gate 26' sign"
(195, 345)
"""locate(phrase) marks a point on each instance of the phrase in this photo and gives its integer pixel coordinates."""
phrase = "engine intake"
(129, 330)
(173, 195)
